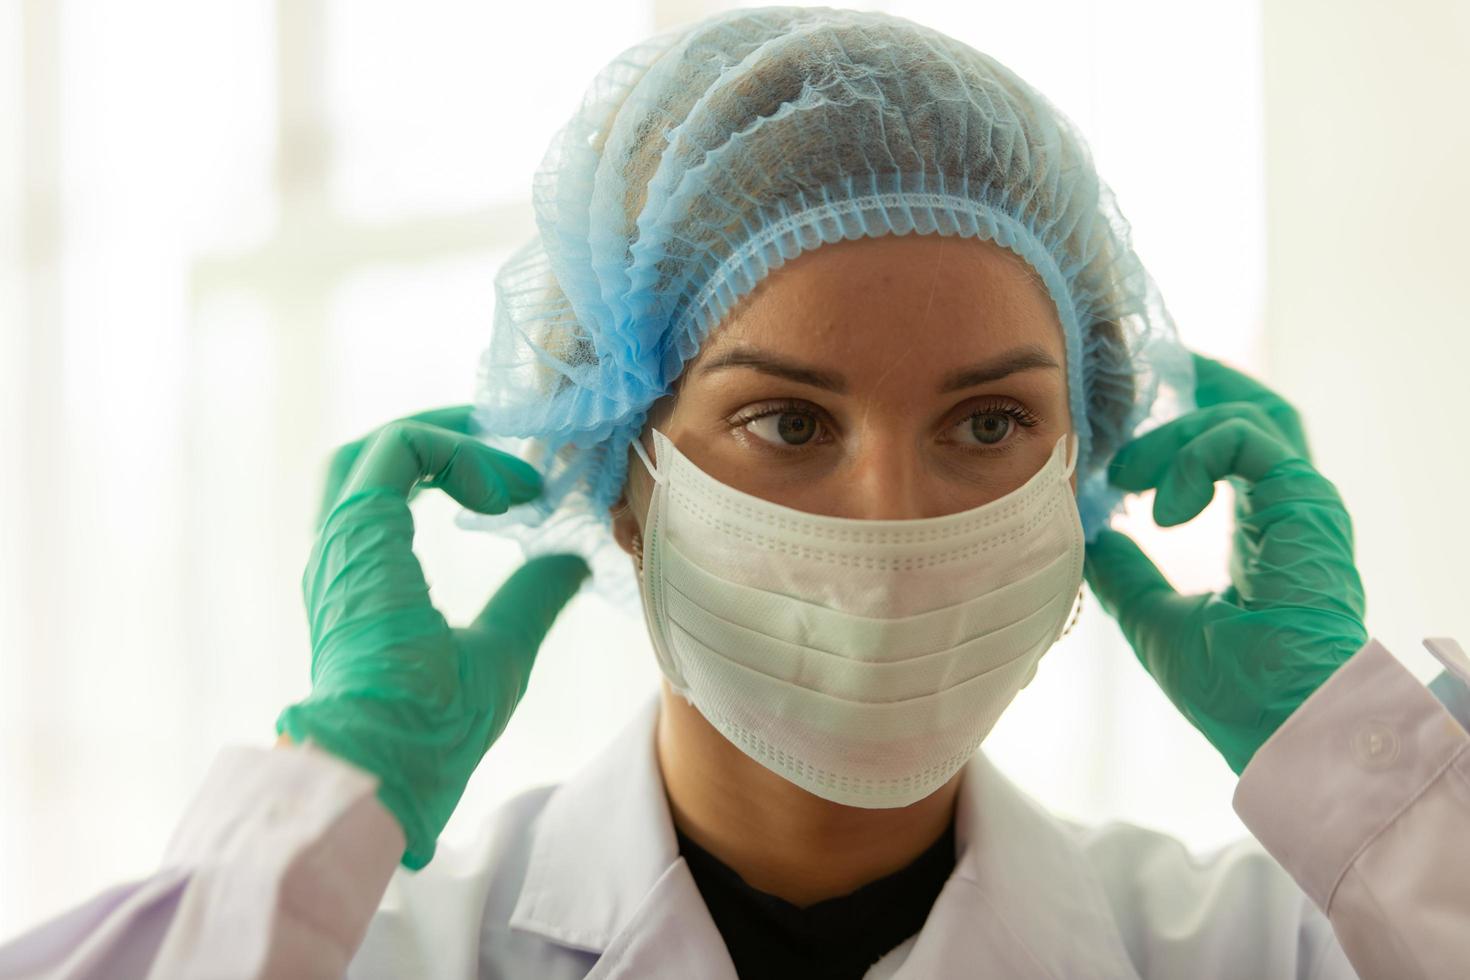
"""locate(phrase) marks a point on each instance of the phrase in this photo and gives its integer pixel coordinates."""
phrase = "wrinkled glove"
(1238, 662)
(395, 690)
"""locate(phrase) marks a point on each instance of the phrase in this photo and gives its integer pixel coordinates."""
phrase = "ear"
(625, 523)
(628, 510)
(631, 507)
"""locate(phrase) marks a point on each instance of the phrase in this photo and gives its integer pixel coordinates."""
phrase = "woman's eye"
(784, 428)
(987, 428)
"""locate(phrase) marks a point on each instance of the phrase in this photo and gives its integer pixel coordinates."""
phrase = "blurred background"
(235, 235)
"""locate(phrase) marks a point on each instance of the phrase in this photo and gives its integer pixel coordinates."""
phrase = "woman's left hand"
(1236, 662)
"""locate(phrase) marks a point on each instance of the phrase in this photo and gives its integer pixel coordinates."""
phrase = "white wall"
(1368, 317)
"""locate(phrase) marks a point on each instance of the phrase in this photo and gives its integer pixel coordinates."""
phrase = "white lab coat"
(279, 869)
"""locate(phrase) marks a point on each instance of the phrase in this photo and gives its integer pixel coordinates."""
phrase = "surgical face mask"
(862, 660)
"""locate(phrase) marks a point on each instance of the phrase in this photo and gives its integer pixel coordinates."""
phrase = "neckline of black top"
(841, 937)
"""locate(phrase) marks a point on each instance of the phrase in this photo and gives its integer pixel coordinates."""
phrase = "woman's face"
(882, 378)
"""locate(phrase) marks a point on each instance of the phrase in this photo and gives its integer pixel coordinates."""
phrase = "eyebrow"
(1027, 357)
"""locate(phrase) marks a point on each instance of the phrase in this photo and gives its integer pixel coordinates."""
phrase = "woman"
(832, 325)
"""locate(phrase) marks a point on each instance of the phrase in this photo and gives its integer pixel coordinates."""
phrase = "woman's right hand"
(395, 689)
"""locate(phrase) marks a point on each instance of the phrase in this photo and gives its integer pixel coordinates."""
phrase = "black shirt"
(836, 939)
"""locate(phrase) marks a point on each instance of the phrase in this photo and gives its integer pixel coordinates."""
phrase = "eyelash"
(1018, 414)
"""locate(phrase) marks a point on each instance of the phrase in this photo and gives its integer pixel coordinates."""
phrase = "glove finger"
(1143, 463)
(1235, 447)
(455, 418)
(1218, 384)
(1297, 544)
(501, 644)
(1134, 592)
(1293, 538)
(364, 580)
(405, 453)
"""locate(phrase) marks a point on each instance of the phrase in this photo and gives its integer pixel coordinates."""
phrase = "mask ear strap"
(653, 471)
(1074, 449)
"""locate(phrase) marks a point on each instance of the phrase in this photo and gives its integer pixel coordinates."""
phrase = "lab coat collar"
(605, 876)
(603, 842)
(1023, 900)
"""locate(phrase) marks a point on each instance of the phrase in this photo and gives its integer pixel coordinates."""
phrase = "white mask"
(862, 660)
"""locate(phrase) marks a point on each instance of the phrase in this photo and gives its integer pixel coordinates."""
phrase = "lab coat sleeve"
(274, 871)
(1363, 796)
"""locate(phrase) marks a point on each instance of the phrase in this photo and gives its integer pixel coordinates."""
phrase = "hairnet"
(703, 158)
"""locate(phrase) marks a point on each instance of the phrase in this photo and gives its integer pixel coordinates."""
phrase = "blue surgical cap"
(704, 158)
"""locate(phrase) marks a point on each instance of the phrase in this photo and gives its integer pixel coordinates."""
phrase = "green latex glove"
(1238, 662)
(395, 689)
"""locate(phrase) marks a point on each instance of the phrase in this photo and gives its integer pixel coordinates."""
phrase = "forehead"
(872, 300)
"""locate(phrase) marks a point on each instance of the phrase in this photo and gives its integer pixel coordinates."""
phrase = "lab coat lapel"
(671, 935)
(1022, 901)
(602, 842)
(605, 875)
